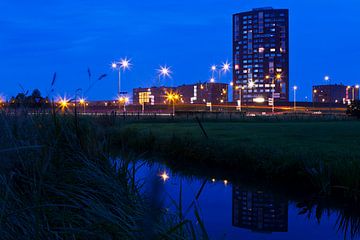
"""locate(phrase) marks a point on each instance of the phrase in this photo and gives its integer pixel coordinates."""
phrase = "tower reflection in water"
(259, 211)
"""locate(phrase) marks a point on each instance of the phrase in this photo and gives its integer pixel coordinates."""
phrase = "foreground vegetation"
(57, 181)
(321, 155)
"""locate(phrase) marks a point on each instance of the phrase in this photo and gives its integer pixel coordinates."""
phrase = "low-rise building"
(335, 93)
(202, 93)
(199, 93)
(151, 96)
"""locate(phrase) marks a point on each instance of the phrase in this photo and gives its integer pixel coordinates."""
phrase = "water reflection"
(243, 210)
(259, 211)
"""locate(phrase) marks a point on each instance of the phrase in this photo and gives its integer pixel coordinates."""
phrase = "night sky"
(40, 37)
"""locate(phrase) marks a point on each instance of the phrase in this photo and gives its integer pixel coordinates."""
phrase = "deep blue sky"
(40, 37)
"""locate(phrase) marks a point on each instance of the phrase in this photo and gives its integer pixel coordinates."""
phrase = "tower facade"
(261, 55)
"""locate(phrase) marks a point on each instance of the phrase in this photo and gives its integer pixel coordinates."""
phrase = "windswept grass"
(57, 181)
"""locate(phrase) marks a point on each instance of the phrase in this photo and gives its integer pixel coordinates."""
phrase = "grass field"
(326, 153)
(338, 139)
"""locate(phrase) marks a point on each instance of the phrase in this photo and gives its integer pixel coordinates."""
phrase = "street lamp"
(123, 65)
(164, 71)
(82, 102)
(295, 88)
(226, 67)
(251, 84)
(2, 101)
(63, 103)
(172, 97)
(123, 100)
(213, 70)
(328, 79)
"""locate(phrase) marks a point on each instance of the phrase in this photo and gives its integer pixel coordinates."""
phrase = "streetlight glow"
(212, 80)
(125, 64)
(295, 88)
(172, 97)
(164, 176)
(251, 84)
(164, 71)
(226, 67)
(326, 78)
(64, 103)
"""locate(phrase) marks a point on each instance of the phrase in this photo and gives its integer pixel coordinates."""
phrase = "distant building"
(202, 93)
(151, 96)
(259, 211)
(335, 93)
(199, 93)
(261, 55)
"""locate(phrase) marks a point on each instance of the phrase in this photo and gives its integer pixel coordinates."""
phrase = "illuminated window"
(144, 97)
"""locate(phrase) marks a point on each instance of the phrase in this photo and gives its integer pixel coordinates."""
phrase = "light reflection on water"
(233, 211)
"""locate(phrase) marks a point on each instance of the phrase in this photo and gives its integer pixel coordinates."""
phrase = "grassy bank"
(320, 154)
(57, 181)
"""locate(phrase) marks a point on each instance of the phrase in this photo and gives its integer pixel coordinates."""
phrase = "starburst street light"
(164, 71)
(63, 103)
(123, 100)
(172, 97)
(251, 84)
(123, 64)
(82, 103)
(164, 176)
(226, 67)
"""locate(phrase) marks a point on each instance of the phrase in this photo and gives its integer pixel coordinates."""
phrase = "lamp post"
(82, 102)
(123, 100)
(172, 97)
(213, 70)
(164, 71)
(328, 79)
(123, 64)
(295, 88)
(224, 68)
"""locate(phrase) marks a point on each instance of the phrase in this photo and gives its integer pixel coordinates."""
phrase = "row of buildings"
(217, 93)
(260, 67)
(199, 93)
(335, 93)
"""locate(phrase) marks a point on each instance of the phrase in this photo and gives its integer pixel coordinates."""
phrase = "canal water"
(235, 211)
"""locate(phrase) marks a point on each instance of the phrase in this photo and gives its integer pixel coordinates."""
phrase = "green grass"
(323, 153)
(58, 181)
(332, 139)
